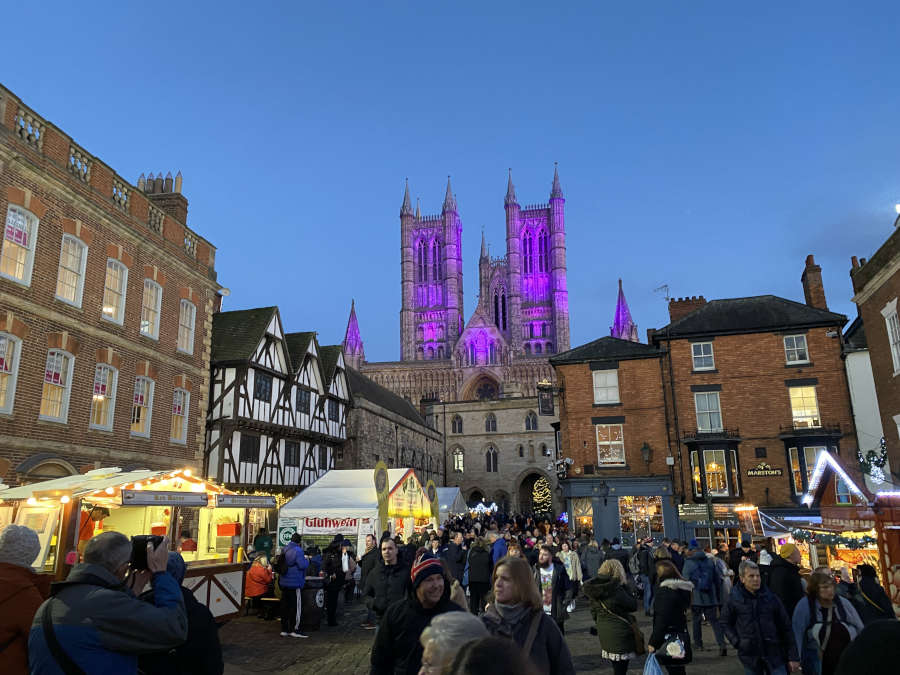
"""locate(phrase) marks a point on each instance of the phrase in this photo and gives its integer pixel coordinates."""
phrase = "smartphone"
(139, 549)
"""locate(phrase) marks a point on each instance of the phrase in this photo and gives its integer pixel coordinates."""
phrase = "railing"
(30, 128)
(155, 221)
(120, 194)
(699, 435)
(802, 429)
(79, 163)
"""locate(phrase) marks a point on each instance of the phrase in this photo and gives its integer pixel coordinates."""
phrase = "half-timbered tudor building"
(268, 424)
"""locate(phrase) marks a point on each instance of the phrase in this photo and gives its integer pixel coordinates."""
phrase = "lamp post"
(646, 454)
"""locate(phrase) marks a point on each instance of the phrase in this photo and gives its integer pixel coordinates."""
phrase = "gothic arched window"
(528, 348)
(548, 349)
(459, 458)
(491, 457)
(421, 266)
(420, 354)
(543, 251)
(430, 353)
(493, 353)
(472, 359)
(435, 260)
(456, 425)
(531, 421)
(490, 422)
(528, 253)
(521, 451)
(537, 348)
(503, 310)
(496, 309)
(440, 352)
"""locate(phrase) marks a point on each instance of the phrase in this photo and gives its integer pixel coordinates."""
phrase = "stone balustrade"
(30, 128)
(120, 193)
(79, 163)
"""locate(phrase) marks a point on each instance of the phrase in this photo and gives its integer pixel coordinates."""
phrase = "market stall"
(357, 502)
(66, 512)
(450, 503)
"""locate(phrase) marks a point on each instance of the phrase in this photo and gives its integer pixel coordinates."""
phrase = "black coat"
(369, 561)
(549, 654)
(785, 582)
(621, 555)
(455, 557)
(670, 602)
(479, 565)
(736, 555)
(875, 604)
(385, 585)
(561, 590)
(397, 650)
(201, 654)
(759, 627)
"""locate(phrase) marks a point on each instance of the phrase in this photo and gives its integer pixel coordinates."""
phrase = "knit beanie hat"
(19, 545)
(693, 545)
(424, 569)
(787, 550)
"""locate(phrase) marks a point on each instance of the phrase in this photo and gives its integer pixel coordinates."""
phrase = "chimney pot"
(141, 182)
(854, 262)
(178, 182)
(167, 184)
(813, 289)
(862, 261)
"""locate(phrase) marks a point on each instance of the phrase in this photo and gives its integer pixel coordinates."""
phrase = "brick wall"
(37, 179)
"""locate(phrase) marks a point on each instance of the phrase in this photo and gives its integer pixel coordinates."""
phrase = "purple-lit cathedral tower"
(522, 316)
(623, 326)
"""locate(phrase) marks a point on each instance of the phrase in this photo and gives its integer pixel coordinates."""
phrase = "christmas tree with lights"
(541, 497)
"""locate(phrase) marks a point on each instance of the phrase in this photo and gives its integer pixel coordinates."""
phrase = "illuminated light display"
(826, 459)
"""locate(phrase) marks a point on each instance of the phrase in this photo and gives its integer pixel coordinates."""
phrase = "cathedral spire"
(354, 353)
(510, 191)
(406, 209)
(449, 198)
(623, 326)
(418, 213)
(556, 190)
(484, 250)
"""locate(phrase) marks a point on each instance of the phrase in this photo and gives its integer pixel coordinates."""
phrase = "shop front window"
(639, 518)
(719, 468)
(583, 513)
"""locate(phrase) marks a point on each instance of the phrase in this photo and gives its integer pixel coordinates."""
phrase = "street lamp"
(646, 453)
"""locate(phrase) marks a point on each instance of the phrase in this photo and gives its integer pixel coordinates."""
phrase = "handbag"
(675, 649)
(639, 646)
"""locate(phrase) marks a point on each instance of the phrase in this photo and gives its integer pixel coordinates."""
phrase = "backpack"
(281, 565)
(702, 577)
(634, 565)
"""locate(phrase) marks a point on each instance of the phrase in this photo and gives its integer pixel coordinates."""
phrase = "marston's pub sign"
(762, 470)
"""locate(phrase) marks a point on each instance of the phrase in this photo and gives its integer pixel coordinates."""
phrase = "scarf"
(512, 614)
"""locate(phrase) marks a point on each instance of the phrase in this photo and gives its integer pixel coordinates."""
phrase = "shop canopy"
(347, 493)
(450, 501)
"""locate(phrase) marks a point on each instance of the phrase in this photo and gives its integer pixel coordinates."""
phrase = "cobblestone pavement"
(252, 646)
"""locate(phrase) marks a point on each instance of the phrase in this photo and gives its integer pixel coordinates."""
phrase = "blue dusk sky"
(709, 146)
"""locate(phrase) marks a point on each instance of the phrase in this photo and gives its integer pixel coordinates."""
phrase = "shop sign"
(763, 470)
(286, 529)
(163, 498)
(545, 402)
(408, 499)
(246, 501)
(329, 525)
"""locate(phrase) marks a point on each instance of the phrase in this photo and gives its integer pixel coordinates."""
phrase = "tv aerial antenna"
(663, 289)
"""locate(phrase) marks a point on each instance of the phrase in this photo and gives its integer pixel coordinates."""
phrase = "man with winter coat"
(370, 560)
(387, 583)
(553, 584)
(755, 622)
(591, 560)
(784, 577)
(616, 552)
(739, 554)
(498, 546)
(21, 593)
(645, 567)
(455, 557)
(871, 601)
(397, 650)
(480, 568)
(291, 583)
(706, 600)
(96, 620)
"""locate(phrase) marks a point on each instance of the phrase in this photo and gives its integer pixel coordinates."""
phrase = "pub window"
(9, 368)
(333, 410)
(262, 386)
(114, 288)
(19, 236)
(709, 415)
(57, 386)
(323, 457)
(142, 406)
(719, 468)
(803, 463)
(804, 407)
(303, 400)
(291, 453)
(606, 386)
(181, 401)
(103, 399)
(70, 278)
(249, 452)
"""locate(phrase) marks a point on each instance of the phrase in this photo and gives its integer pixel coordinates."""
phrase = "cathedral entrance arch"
(482, 387)
(475, 498)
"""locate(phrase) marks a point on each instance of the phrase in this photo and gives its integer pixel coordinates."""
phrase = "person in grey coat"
(98, 622)
(592, 559)
(706, 600)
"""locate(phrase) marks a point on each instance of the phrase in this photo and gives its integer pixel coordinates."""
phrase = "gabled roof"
(235, 335)
(298, 345)
(329, 356)
(606, 348)
(855, 335)
(757, 314)
(367, 388)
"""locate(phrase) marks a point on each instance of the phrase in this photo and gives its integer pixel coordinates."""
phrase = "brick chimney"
(166, 194)
(813, 290)
(683, 306)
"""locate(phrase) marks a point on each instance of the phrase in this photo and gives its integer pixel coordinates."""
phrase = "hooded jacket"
(871, 602)
(758, 626)
(296, 566)
(608, 597)
(549, 654)
(397, 650)
(785, 582)
(103, 627)
(385, 585)
(21, 593)
(480, 563)
(709, 597)
(670, 601)
(498, 550)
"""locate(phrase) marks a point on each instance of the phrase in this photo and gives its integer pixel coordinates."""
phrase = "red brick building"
(876, 286)
(106, 301)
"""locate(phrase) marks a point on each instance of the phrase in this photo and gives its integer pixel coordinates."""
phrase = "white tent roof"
(82, 483)
(346, 492)
(451, 500)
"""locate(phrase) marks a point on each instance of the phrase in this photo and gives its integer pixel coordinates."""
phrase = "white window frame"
(604, 392)
(708, 412)
(184, 329)
(610, 445)
(795, 348)
(842, 497)
(110, 396)
(119, 318)
(459, 461)
(148, 401)
(154, 334)
(695, 357)
(79, 283)
(814, 420)
(11, 370)
(892, 325)
(30, 246)
(724, 466)
(185, 412)
(65, 373)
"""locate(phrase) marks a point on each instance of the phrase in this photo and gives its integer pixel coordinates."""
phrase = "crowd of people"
(479, 595)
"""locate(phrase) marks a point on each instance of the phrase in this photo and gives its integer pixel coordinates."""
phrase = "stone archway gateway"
(535, 494)
(475, 498)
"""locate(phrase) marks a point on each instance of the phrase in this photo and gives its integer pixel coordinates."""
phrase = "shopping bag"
(651, 667)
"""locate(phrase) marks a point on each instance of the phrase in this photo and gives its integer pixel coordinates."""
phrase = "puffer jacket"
(296, 564)
(480, 563)
(102, 627)
(670, 602)
(692, 566)
(759, 627)
(611, 607)
(385, 585)
(498, 550)
(258, 581)
(21, 593)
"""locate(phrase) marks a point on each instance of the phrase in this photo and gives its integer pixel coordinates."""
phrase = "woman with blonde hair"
(517, 612)
(444, 637)
(611, 607)
(572, 564)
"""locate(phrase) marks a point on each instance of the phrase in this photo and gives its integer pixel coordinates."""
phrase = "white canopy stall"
(451, 502)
